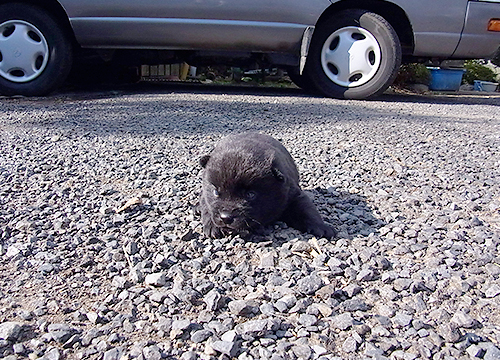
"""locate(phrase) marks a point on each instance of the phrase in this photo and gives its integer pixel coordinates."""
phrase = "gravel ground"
(102, 256)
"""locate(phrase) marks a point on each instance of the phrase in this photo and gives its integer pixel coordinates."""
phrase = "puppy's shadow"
(349, 214)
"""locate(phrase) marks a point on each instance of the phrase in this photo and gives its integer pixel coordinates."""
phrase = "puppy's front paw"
(212, 231)
(322, 230)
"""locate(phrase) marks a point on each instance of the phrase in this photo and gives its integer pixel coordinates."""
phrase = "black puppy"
(250, 180)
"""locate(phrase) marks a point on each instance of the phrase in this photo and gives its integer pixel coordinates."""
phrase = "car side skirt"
(188, 34)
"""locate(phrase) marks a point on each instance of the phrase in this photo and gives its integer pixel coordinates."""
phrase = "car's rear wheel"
(35, 51)
(354, 55)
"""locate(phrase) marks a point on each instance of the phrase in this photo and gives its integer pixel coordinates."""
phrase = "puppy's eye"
(215, 192)
(250, 195)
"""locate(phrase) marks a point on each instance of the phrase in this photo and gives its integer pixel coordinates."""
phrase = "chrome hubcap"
(24, 52)
(351, 56)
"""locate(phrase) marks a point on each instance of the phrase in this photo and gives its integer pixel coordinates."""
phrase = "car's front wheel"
(35, 51)
(354, 55)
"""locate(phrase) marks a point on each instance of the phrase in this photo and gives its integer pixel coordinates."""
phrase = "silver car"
(343, 49)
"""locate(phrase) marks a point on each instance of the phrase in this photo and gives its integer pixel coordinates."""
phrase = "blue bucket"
(446, 79)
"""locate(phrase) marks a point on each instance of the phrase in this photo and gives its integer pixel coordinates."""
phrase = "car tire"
(302, 81)
(35, 51)
(356, 54)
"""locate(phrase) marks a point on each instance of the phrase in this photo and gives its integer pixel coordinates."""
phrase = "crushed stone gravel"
(103, 257)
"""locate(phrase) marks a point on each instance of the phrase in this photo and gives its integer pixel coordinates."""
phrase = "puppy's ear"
(271, 157)
(277, 173)
(204, 160)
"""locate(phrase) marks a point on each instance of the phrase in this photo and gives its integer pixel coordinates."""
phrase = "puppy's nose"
(226, 217)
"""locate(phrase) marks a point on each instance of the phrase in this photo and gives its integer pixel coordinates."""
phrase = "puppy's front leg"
(302, 215)
(209, 228)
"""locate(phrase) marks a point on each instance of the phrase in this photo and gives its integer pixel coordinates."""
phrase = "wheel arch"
(395, 15)
(54, 8)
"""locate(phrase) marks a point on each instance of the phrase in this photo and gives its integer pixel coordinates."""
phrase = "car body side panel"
(267, 25)
(286, 11)
(259, 25)
(436, 24)
(477, 41)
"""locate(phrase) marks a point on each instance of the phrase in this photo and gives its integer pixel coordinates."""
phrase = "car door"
(437, 25)
(258, 25)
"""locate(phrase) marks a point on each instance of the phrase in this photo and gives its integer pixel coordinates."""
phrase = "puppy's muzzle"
(232, 219)
(226, 217)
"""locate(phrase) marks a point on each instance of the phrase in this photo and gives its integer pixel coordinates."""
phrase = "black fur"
(250, 180)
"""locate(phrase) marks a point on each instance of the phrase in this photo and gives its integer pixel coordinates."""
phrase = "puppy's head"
(243, 190)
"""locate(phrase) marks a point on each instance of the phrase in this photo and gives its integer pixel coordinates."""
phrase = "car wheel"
(354, 55)
(35, 51)
(302, 81)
